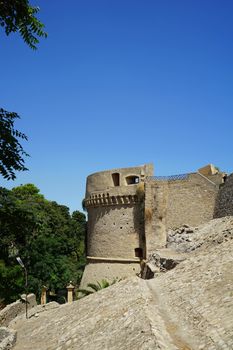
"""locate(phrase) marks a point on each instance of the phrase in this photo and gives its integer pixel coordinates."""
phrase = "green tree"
(49, 240)
(11, 151)
(19, 16)
(28, 192)
(16, 223)
(78, 236)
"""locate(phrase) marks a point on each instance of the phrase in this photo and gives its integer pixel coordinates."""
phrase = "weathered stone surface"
(114, 231)
(187, 239)
(208, 169)
(173, 203)
(97, 271)
(34, 312)
(162, 260)
(197, 297)
(7, 338)
(12, 310)
(118, 317)
(189, 307)
(224, 202)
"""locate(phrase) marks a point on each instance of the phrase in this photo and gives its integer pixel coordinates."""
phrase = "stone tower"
(115, 235)
(130, 212)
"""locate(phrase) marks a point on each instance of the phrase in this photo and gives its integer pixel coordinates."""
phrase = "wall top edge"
(112, 259)
(115, 170)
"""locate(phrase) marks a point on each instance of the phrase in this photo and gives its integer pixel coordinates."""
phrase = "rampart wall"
(170, 204)
(224, 202)
(130, 212)
(115, 231)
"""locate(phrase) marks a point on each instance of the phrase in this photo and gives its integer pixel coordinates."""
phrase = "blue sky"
(119, 83)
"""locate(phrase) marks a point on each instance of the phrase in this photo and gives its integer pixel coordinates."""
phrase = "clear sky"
(119, 83)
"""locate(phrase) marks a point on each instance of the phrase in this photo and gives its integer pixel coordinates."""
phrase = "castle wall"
(123, 227)
(170, 204)
(224, 202)
(96, 271)
(191, 202)
(155, 215)
(103, 180)
(114, 231)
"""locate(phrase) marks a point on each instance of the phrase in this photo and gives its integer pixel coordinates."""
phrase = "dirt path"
(172, 326)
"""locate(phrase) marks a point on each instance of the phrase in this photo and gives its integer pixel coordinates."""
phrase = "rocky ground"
(189, 306)
(188, 239)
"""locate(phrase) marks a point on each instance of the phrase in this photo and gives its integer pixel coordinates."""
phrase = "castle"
(130, 211)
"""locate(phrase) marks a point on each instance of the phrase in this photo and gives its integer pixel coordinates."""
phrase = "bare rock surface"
(7, 338)
(196, 298)
(118, 317)
(187, 239)
(17, 308)
(189, 307)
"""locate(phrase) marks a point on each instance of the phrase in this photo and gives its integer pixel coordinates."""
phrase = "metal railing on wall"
(168, 178)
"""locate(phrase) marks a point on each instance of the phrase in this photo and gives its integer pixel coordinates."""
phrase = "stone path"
(187, 308)
(118, 317)
(198, 297)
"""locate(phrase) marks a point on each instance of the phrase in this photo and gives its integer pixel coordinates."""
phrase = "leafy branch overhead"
(11, 151)
(20, 16)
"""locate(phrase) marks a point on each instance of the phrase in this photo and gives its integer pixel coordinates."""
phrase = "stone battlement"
(106, 200)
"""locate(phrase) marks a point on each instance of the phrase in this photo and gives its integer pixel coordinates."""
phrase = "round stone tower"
(115, 235)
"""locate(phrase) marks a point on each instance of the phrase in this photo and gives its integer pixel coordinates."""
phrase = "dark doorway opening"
(116, 179)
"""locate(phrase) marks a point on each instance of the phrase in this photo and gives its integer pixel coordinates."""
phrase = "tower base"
(98, 269)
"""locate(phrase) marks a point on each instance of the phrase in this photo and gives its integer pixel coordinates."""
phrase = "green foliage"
(27, 192)
(16, 16)
(84, 205)
(20, 16)
(11, 151)
(95, 287)
(11, 279)
(49, 240)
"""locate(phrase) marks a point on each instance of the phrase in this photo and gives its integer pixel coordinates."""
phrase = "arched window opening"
(116, 179)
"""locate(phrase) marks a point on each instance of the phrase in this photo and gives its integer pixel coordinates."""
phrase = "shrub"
(95, 287)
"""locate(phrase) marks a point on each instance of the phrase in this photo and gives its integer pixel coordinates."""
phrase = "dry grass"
(140, 192)
(148, 214)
